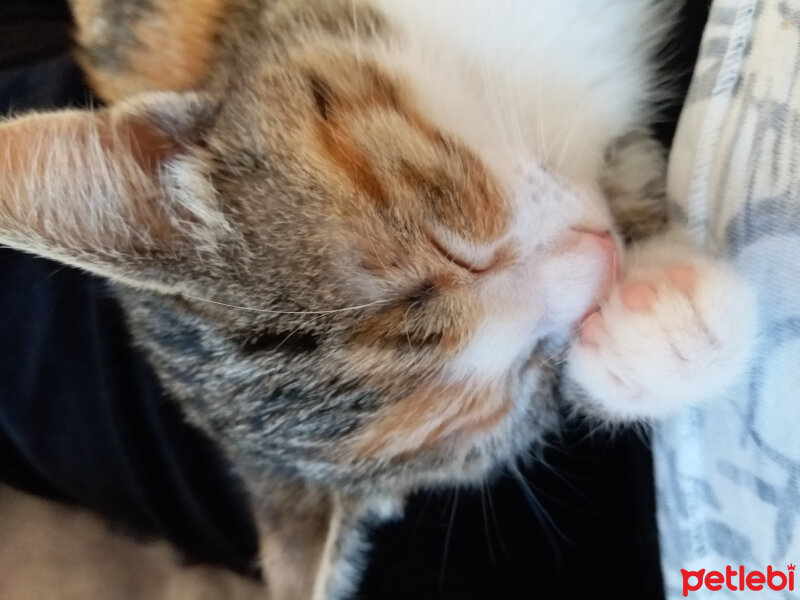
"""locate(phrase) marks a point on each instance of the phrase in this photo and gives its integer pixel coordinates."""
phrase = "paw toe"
(637, 296)
(683, 278)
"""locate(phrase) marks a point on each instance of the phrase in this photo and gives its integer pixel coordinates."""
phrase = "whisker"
(420, 517)
(538, 509)
(486, 528)
(593, 430)
(563, 153)
(493, 514)
(559, 354)
(405, 325)
(447, 541)
(500, 110)
(295, 330)
(553, 470)
(286, 312)
(354, 15)
(522, 146)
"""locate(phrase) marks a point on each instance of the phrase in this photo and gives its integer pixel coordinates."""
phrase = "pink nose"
(606, 243)
(604, 239)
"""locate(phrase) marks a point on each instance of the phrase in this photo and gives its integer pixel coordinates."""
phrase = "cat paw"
(666, 337)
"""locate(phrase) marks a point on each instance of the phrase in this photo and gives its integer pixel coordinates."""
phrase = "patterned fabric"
(728, 474)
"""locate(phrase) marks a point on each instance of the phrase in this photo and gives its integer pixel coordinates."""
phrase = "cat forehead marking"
(368, 127)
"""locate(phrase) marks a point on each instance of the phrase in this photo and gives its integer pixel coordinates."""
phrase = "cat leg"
(312, 541)
(679, 328)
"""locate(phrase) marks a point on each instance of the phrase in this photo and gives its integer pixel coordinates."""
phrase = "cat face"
(395, 292)
(336, 285)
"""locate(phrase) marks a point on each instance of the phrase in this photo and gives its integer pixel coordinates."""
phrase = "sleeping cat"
(371, 245)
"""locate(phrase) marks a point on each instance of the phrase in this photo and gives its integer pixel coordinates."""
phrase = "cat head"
(336, 285)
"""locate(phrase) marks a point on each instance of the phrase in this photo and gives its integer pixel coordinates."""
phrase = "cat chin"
(473, 460)
(465, 461)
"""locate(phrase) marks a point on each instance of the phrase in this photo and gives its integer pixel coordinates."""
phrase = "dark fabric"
(32, 30)
(82, 419)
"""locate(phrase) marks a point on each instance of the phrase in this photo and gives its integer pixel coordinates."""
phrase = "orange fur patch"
(467, 201)
(431, 414)
(175, 45)
(340, 149)
(453, 189)
(369, 91)
(393, 328)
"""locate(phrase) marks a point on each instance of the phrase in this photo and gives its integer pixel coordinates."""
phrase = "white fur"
(528, 80)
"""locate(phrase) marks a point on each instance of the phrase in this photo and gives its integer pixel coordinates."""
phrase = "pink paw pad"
(638, 296)
(682, 278)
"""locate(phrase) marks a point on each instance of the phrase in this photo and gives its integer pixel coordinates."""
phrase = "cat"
(371, 246)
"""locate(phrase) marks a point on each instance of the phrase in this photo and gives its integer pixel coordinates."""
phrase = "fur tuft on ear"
(111, 191)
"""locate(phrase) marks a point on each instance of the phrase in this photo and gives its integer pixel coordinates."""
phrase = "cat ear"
(149, 46)
(307, 539)
(116, 192)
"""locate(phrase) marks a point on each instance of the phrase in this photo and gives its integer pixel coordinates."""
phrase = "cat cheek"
(504, 336)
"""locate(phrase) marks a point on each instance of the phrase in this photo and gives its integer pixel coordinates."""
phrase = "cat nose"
(601, 236)
(607, 245)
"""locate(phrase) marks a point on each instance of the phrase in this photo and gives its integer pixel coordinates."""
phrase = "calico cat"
(372, 245)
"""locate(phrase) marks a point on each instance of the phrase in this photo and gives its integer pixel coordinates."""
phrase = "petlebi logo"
(738, 580)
